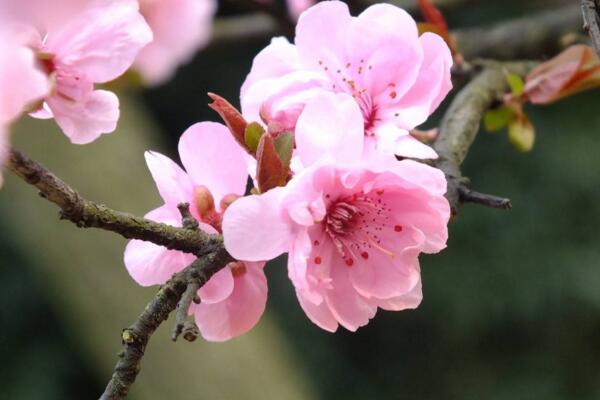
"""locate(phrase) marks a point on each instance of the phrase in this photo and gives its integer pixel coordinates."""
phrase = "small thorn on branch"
(187, 219)
(488, 200)
(182, 325)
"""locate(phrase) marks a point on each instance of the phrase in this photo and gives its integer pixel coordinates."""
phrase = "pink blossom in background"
(93, 45)
(296, 7)
(396, 77)
(234, 299)
(180, 27)
(21, 82)
(353, 226)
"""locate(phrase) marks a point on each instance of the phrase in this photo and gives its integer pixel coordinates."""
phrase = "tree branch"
(181, 321)
(591, 21)
(136, 337)
(531, 36)
(87, 214)
(460, 126)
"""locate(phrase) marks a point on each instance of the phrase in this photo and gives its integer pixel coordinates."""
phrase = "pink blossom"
(233, 300)
(396, 77)
(180, 28)
(93, 45)
(21, 82)
(296, 7)
(353, 229)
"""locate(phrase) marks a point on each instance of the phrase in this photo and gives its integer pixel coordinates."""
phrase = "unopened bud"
(204, 201)
(237, 268)
(227, 200)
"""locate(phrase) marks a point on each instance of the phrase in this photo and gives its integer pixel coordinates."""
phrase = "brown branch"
(591, 21)
(136, 337)
(84, 213)
(87, 214)
(187, 219)
(532, 36)
(460, 126)
(182, 310)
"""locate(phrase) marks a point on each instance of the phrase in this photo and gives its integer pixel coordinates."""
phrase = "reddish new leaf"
(270, 170)
(232, 118)
(436, 23)
(574, 70)
(432, 14)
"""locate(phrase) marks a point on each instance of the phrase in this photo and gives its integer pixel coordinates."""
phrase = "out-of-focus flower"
(296, 7)
(396, 77)
(21, 82)
(353, 225)
(233, 300)
(94, 44)
(180, 27)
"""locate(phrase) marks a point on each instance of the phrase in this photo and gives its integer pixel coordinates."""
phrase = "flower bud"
(204, 201)
(227, 200)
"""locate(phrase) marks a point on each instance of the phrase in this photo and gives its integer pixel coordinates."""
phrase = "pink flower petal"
(172, 182)
(83, 121)
(408, 146)
(218, 287)
(180, 28)
(3, 149)
(349, 308)
(406, 301)
(432, 86)
(277, 59)
(238, 313)
(321, 34)
(281, 100)
(319, 314)
(384, 276)
(296, 7)
(253, 229)
(213, 158)
(385, 38)
(20, 81)
(101, 42)
(330, 125)
(150, 264)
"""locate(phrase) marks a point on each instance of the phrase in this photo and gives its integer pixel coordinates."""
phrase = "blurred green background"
(511, 308)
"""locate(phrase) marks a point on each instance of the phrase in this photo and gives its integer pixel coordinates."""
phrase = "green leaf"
(284, 144)
(516, 84)
(252, 135)
(498, 118)
(521, 134)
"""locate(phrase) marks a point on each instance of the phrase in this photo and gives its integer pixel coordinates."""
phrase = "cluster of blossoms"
(52, 54)
(330, 114)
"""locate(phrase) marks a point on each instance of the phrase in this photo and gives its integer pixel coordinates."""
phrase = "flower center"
(356, 225)
(348, 79)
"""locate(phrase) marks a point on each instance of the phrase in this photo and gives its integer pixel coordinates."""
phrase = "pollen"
(318, 260)
(398, 228)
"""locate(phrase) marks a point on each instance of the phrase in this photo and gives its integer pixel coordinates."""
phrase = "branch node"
(187, 219)
(181, 314)
(190, 331)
